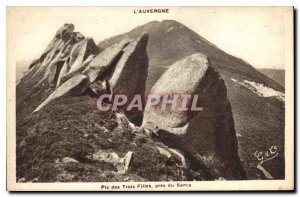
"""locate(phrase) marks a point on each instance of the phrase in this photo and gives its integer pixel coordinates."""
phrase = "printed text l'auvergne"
(151, 11)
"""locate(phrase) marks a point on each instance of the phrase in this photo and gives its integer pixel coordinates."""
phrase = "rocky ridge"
(60, 130)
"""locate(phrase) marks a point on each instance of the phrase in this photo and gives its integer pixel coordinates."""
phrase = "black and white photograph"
(150, 98)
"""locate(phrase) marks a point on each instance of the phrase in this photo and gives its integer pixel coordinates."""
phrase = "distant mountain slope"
(259, 121)
(276, 75)
(170, 41)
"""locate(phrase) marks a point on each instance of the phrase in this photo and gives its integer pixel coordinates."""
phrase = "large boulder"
(74, 86)
(208, 135)
(130, 75)
(103, 64)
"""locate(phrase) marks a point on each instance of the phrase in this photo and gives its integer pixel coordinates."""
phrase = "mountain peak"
(160, 26)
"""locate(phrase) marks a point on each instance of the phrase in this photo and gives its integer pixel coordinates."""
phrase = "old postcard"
(150, 98)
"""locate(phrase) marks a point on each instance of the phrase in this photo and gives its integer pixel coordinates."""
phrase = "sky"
(259, 36)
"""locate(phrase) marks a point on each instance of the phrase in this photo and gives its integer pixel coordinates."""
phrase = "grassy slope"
(260, 121)
(74, 127)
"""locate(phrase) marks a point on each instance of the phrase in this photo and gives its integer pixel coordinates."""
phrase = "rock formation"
(119, 69)
(121, 164)
(207, 135)
(43, 74)
(57, 53)
(105, 61)
(82, 53)
(130, 75)
(73, 66)
(131, 70)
